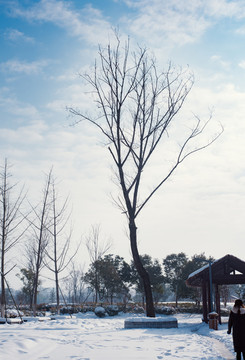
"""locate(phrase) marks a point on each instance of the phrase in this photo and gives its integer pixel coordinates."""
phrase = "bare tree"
(97, 247)
(11, 223)
(40, 234)
(136, 109)
(75, 284)
(58, 257)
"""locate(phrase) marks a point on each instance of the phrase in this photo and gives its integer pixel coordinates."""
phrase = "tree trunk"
(34, 302)
(31, 300)
(3, 239)
(56, 271)
(57, 293)
(96, 284)
(150, 311)
(3, 300)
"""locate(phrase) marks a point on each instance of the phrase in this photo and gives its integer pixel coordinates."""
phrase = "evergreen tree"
(107, 276)
(174, 265)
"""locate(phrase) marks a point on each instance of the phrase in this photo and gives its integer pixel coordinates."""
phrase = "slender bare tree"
(11, 223)
(97, 247)
(75, 284)
(136, 109)
(58, 258)
(40, 226)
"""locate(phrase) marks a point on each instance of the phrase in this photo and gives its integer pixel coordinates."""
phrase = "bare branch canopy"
(136, 108)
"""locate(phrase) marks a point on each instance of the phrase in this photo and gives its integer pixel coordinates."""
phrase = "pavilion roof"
(225, 271)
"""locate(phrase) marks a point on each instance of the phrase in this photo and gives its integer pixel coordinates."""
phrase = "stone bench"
(152, 323)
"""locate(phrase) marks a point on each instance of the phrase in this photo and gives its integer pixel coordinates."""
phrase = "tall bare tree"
(58, 258)
(40, 225)
(136, 109)
(11, 223)
(97, 247)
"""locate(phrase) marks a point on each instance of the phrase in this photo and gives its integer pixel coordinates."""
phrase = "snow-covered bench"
(147, 322)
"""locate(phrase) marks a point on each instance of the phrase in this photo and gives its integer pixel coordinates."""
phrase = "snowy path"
(222, 349)
(90, 338)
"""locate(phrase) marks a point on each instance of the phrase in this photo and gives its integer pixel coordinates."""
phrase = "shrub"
(100, 311)
(112, 310)
(165, 310)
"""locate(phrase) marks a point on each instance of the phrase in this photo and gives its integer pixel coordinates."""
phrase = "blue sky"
(46, 44)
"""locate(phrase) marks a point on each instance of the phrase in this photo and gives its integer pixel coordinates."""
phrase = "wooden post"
(209, 298)
(204, 301)
(217, 301)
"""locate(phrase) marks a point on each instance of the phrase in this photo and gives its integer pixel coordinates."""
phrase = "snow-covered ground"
(86, 337)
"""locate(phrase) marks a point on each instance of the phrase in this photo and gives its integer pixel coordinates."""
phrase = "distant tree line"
(110, 279)
(114, 279)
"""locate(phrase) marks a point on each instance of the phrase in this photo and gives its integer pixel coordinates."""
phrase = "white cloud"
(241, 31)
(17, 66)
(224, 8)
(218, 59)
(87, 23)
(242, 64)
(12, 106)
(178, 22)
(167, 23)
(16, 35)
(26, 135)
(214, 8)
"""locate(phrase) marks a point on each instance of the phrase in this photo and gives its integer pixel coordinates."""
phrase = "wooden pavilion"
(225, 271)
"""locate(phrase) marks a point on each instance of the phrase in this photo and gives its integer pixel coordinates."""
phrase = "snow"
(198, 271)
(87, 337)
(202, 268)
